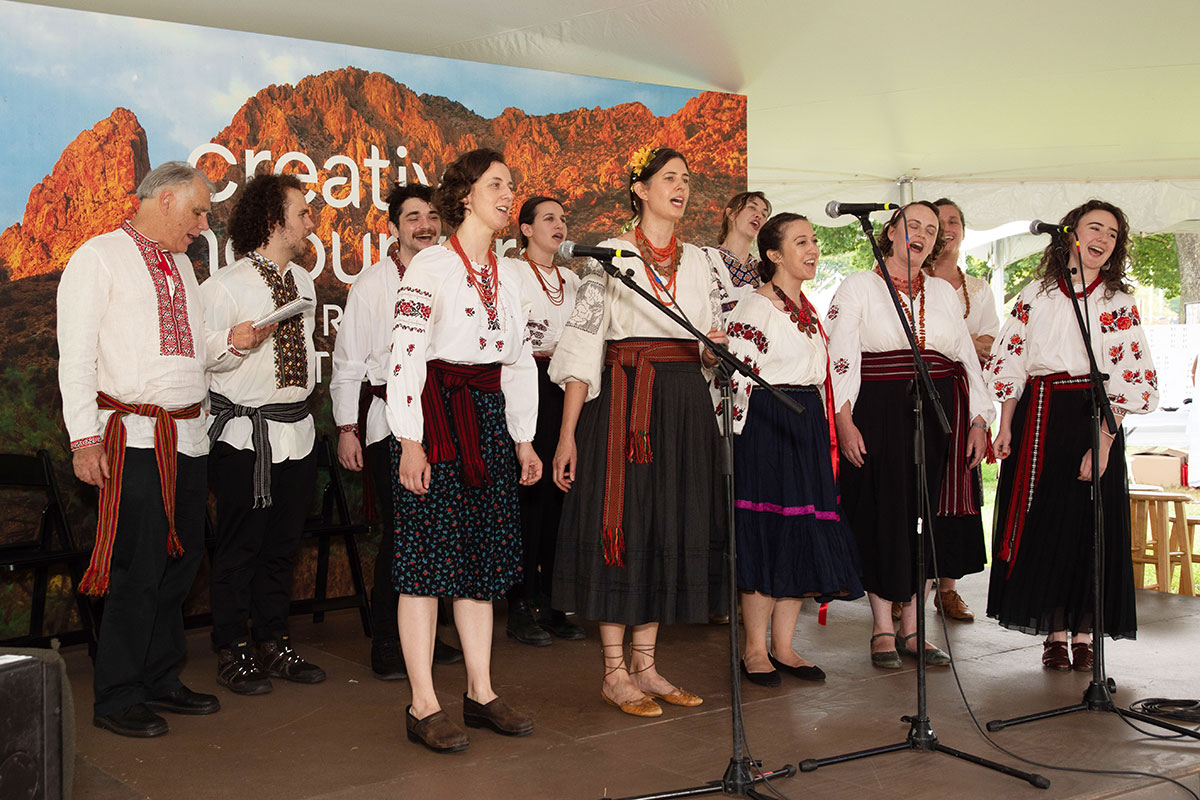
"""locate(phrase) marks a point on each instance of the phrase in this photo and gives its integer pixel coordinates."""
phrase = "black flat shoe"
(769, 679)
(810, 673)
(136, 721)
(184, 701)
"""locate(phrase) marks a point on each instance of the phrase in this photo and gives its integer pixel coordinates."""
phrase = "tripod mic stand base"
(738, 781)
(922, 738)
(1097, 697)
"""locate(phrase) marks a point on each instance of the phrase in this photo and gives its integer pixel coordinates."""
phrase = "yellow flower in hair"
(640, 159)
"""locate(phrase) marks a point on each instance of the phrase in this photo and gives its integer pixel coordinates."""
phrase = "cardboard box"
(1159, 466)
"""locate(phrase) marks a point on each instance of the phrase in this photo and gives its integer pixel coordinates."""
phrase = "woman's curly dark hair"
(770, 237)
(261, 207)
(885, 244)
(657, 161)
(457, 181)
(1056, 259)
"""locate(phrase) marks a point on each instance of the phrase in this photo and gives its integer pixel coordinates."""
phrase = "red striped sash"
(457, 379)
(957, 495)
(95, 580)
(629, 431)
(1039, 389)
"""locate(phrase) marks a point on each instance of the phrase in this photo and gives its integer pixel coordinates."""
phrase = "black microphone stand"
(742, 774)
(1098, 695)
(921, 736)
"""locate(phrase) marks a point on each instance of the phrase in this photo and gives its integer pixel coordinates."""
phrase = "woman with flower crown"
(637, 451)
(792, 539)
(872, 373)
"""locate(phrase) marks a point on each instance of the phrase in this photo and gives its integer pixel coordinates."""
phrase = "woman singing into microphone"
(872, 374)
(1041, 581)
(638, 459)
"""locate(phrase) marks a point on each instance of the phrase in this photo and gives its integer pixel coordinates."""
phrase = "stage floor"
(345, 738)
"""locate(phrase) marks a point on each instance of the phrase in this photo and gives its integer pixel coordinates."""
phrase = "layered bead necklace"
(904, 287)
(803, 316)
(667, 259)
(485, 281)
(555, 296)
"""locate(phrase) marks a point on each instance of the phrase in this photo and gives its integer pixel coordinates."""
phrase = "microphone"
(836, 209)
(569, 250)
(1038, 227)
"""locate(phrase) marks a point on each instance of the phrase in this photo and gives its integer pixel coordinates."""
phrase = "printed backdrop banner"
(91, 102)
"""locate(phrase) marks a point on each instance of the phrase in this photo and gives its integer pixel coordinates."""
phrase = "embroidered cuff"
(90, 441)
(232, 349)
(348, 428)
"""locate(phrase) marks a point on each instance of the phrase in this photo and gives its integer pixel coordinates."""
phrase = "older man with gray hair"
(132, 357)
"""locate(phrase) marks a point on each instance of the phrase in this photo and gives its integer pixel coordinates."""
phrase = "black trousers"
(256, 547)
(384, 597)
(541, 504)
(141, 641)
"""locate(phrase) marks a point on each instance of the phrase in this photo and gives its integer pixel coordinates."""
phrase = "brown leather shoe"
(1054, 656)
(952, 606)
(497, 715)
(897, 611)
(1081, 656)
(436, 732)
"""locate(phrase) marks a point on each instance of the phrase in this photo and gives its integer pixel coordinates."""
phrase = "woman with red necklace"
(1042, 579)
(872, 371)
(550, 289)
(638, 459)
(462, 389)
(792, 541)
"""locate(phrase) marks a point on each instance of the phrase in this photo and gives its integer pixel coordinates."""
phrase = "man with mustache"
(357, 390)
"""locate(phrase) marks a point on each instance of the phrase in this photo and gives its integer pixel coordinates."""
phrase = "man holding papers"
(262, 465)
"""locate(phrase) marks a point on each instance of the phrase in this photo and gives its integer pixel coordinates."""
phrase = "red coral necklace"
(485, 281)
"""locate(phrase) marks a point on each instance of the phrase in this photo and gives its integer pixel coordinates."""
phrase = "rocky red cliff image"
(343, 120)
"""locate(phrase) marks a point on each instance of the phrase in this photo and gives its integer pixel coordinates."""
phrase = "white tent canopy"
(1016, 110)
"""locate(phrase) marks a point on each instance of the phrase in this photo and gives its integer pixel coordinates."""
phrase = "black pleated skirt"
(880, 498)
(673, 516)
(1048, 585)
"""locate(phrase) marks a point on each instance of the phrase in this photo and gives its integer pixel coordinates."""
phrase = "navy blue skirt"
(792, 540)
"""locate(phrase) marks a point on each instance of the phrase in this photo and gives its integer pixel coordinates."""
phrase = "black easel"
(740, 776)
(1098, 695)
(920, 733)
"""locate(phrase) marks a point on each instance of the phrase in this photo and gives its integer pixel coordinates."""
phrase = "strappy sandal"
(934, 655)
(885, 659)
(643, 707)
(677, 696)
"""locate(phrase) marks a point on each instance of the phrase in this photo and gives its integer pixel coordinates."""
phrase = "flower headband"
(640, 159)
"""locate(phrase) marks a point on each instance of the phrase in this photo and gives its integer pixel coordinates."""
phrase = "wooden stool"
(1160, 538)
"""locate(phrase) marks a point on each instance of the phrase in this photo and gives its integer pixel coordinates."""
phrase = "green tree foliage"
(1153, 260)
